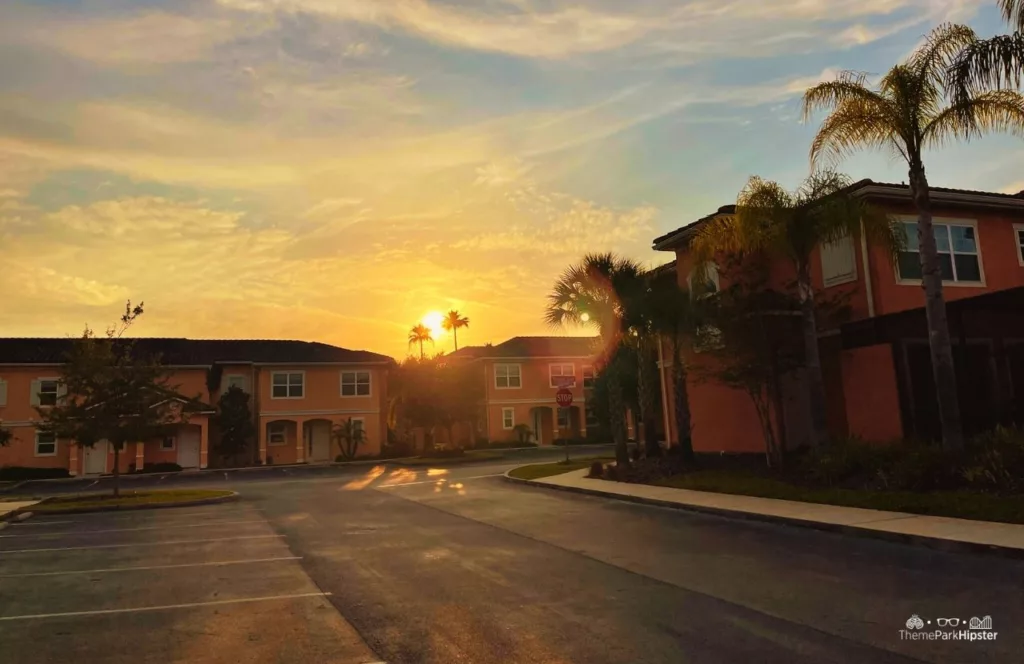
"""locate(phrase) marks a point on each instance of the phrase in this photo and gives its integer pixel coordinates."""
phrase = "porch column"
(300, 440)
(140, 456)
(73, 461)
(263, 441)
(204, 443)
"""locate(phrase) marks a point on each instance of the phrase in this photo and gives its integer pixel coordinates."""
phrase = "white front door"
(96, 458)
(188, 447)
(319, 441)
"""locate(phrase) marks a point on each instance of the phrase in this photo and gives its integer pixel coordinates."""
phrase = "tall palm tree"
(418, 334)
(591, 293)
(912, 109)
(452, 321)
(992, 63)
(779, 223)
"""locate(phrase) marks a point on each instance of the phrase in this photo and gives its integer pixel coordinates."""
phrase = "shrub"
(995, 460)
(596, 469)
(572, 441)
(611, 472)
(922, 467)
(508, 444)
(18, 473)
(162, 467)
(841, 462)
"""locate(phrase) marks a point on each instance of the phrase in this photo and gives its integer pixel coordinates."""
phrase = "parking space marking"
(208, 524)
(122, 546)
(192, 605)
(218, 563)
(439, 480)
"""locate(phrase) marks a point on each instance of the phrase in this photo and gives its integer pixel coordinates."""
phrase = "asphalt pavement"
(454, 564)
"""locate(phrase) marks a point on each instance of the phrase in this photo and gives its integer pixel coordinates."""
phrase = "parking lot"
(203, 584)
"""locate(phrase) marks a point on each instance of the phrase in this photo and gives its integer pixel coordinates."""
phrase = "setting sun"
(433, 321)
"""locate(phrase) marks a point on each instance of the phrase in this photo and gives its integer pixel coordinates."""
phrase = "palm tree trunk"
(645, 394)
(421, 349)
(455, 336)
(117, 470)
(812, 359)
(681, 402)
(939, 342)
(617, 416)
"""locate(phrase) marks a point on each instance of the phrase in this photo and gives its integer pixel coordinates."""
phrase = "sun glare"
(433, 321)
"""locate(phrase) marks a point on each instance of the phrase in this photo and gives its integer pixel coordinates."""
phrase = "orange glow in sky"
(433, 321)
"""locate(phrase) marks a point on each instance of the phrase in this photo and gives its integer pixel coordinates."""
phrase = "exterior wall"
(19, 416)
(21, 450)
(872, 397)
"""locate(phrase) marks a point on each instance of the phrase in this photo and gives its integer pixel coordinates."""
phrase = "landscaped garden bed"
(131, 500)
(539, 470)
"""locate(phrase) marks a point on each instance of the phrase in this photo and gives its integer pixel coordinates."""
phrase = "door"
(188, 447)
(538, 423)
(96, 458)
(319, 441)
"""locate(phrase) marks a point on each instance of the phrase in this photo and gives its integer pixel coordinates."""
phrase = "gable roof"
(197, 352)
(869, 189)
(543, 347)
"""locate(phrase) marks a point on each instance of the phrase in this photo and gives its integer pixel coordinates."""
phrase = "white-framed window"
(957, 244)
(563, 418)
(167, 444)
(3, 392)
(508, 418)
(287, 385)
(1018, 235)
(355, 383)
(588, 377)
(359, 424)
(710, 285)
(46, 444)
(592, 422)
(838, 262)
(49, 389)
(277, 433)
(508, 376)
(236, 380)
(557, 373)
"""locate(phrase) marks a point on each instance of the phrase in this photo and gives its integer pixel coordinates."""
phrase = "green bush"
(995, 460)
(506, 445)
(162, 467)
(18, 473)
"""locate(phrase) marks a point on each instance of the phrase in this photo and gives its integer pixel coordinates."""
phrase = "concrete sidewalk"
(9, 508)
(937, 532)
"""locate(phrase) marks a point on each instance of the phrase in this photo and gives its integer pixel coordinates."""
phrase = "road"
(456, 565)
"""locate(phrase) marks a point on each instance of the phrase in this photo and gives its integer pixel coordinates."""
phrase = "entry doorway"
(95, 462)
(188, 446)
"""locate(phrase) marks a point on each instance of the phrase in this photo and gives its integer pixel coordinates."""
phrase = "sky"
(332, 170)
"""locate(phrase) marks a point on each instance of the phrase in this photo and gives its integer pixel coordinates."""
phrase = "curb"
(12, 517)
(128, 508)
(936, 543)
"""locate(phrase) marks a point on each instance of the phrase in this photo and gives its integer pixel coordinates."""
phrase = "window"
(508, 418)
(957, 243)
(357, 426)
(563, 418)
(277, 434)
(167, 444)
(592, 422)
(507, 376)
(46, 444)
(48, 392)
(562, 375)
(355, 383)
(838, 262)
(237, 380)
(286, 385)
(3, 392)
(588, 377)
(1018, 233)
(709, 286)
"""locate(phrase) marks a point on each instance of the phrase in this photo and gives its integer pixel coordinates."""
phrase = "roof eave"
(977, 200)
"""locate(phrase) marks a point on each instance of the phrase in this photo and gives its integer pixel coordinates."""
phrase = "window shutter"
(3, 392)
(34, 395)
(838, 262)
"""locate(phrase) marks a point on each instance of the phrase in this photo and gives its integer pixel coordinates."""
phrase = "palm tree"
(775, 222)
(913, 109)
(418, 334)
(994, 62)
(452, 321)
(591, 293)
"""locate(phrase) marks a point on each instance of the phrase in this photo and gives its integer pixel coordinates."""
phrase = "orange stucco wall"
(872, 399)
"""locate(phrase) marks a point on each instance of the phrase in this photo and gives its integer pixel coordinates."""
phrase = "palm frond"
(997, 62)
(997, 110)
(453, 320)
(419, 333)
(857, 123)
(828, 95)
(930, 62)
(1013, 13)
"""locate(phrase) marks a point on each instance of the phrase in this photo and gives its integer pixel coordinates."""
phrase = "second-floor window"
(957, 244)
(47, 393)
(288, 385)
(588, 377)
(355, 383)
(236, 380)
(562, 375)
(507, 376)
(1018, 234)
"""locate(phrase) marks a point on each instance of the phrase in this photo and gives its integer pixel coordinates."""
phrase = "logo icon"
(981, 623)
(915, 622)
(947, 622)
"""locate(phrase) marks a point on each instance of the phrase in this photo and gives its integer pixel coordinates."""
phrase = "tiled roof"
(947, 190)
(466, 353)
(545, 347)
(203, 352)
(687, 230)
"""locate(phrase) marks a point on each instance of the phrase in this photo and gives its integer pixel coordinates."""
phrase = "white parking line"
(128, 530)
(107, 612)
(219, 563)
(439, 480)
(122, 546)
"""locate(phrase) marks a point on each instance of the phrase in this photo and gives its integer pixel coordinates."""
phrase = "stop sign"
(563, 398)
